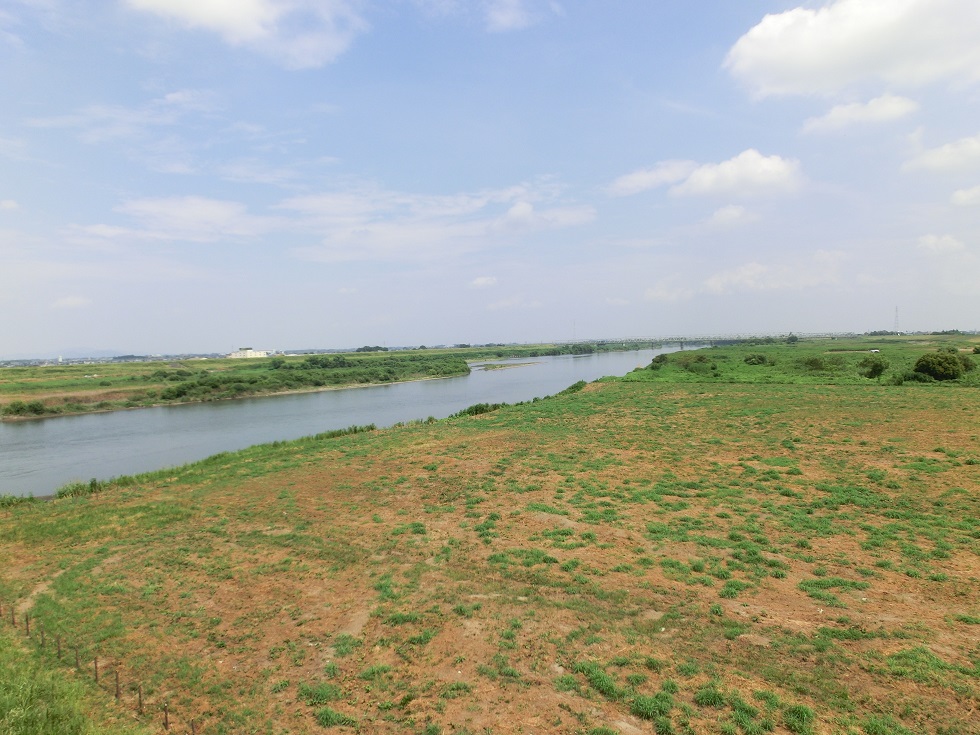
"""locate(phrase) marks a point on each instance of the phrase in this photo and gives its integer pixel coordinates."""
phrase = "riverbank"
(647, 553)
(71, 390)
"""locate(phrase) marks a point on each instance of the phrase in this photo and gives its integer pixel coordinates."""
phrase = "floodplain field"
(682, 550)
(61, 390)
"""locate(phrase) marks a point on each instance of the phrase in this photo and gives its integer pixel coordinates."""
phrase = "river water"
(37, 457)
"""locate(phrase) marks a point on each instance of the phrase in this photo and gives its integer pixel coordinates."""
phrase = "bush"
(872, 366)
(940, 365)
(658, 362)
(756, 358)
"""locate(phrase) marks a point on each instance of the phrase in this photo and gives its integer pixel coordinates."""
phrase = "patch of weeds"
(599, 680)
(320, 693)
(422, 638)
(345, 644)
(655, 664)
(818, 589)
(331, 669)
(688, 668)
(884, 725)
(709, 696)
(280, 686)
(799, 719)
(732, 589)
(372, 673)
(566, 683)
(400, 618)
(327, 717)
(466, 611)
(651, 708)
(416, 527)
(456, 689)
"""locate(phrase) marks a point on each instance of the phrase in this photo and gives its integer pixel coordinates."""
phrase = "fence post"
(193, 728)
(96, 669)
(27, 624)
(166, 717)
(139, 694)
(117, 685)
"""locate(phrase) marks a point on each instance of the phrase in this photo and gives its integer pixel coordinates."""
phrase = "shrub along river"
(37, 457)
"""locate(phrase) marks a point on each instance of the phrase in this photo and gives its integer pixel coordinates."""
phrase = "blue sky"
(197, 175)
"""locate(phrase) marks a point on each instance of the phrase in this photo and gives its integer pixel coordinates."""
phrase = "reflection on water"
(36, 457)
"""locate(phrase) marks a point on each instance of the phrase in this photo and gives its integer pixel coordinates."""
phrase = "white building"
(245, 352)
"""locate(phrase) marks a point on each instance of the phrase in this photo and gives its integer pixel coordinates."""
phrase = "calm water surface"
(37, 457)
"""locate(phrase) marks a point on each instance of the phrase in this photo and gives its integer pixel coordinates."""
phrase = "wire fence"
(104, 672)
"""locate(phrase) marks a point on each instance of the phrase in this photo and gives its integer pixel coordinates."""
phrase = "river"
(37, 457)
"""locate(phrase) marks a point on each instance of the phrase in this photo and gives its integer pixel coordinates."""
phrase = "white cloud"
(484, 282)
(847, 43)
(665, 172)
(668, 290)
(747, 174)
(515, 302)
(298, 34)
(940, 244)
(523, 216)
(71, 302)
(822, 269)
(371, 224)
(731, 216)
(102, 123)
(886, 108)
(188, 218)
(8, 205)
(507, 15)
(967, 197)
(960, 154)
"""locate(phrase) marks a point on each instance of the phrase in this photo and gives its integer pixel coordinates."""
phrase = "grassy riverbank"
(52, 390)
(673, 552)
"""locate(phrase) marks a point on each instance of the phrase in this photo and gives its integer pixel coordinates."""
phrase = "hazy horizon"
(189, 177)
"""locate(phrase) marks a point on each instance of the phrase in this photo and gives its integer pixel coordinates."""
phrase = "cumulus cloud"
(967, 197)
(848, 43)
(484, 282)
(298, 34)
(886, 108)
(665, 172)
(749, 173)
(960, 154)
(8, 205)
(940, 244)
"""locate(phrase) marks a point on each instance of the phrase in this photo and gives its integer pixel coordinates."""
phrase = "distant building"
(246, 352)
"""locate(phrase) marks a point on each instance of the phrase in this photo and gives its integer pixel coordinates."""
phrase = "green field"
(51, 390)
(763, 540)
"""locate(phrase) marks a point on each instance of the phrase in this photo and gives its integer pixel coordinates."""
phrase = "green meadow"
(51, 390)
(757, 538)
